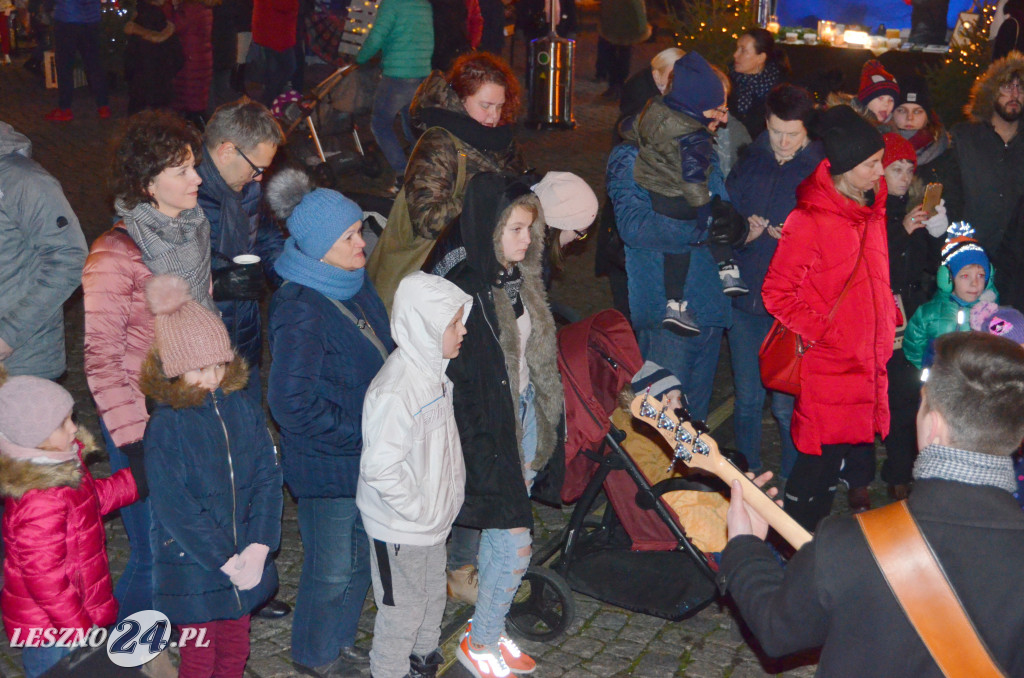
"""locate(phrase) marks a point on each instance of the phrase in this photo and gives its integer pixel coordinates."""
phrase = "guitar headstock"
(690, 442)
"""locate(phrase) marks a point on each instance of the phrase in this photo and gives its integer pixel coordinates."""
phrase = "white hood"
(424, 305)
(13, 141)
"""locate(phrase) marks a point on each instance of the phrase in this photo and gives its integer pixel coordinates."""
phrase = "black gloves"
(137, 465)
(238, 281)
(728, 226)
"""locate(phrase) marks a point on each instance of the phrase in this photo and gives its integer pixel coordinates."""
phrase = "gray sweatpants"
(409, 586)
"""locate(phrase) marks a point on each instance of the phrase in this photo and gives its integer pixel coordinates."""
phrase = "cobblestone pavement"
(604, 640)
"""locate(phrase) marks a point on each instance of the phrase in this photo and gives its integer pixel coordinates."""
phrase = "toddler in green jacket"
(965, 277)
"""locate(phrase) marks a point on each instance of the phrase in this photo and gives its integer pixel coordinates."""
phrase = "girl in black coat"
(508, 395)
(911, 286)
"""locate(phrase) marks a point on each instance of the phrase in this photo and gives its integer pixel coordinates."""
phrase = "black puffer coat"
(486, 373)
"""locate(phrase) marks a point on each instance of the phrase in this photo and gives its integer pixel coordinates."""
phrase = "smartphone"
(932, 196)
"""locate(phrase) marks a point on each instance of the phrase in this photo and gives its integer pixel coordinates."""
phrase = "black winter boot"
(420, 667)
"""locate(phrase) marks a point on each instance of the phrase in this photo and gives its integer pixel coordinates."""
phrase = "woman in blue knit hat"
(329, 336)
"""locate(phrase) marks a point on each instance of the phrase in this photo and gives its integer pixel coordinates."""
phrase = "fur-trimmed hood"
(18, 476)
(179, 395)
(981, 104)
(489, 198)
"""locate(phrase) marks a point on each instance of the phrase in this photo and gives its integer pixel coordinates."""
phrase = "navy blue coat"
(759, 185)
(238, 226)
(320, 370)
(215, 488)
(649, 235)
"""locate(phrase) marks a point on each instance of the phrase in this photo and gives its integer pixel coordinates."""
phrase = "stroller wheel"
(543, 608)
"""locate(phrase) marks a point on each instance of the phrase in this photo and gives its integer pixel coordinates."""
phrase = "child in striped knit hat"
(965, 278)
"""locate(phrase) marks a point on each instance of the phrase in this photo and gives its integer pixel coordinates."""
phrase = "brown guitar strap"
(925, 594)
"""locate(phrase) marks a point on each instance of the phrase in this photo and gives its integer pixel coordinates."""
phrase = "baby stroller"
(638, 555)
(315, 126)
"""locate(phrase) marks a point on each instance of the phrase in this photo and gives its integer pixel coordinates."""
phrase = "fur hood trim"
(18, 476)
(981, 104)
(540, 346)
(178, 394)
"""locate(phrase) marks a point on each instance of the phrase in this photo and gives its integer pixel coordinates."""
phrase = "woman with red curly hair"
(162, 229)
(469, 115)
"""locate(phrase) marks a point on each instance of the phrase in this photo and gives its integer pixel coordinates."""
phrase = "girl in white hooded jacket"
(412, 476)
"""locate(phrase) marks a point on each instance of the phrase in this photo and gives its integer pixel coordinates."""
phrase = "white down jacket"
(412, 476)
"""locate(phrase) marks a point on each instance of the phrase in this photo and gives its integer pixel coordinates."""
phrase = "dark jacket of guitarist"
(833, 595)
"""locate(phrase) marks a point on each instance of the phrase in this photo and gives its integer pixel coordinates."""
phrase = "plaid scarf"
(963, 466)
(179, 246)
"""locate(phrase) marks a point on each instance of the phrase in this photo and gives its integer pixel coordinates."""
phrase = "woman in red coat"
(842, 403)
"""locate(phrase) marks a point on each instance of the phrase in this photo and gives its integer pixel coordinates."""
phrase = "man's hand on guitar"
(741, 517)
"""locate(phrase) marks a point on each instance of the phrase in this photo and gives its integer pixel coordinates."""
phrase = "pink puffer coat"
(118, 333)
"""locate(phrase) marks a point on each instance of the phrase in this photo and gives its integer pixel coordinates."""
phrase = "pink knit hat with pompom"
(188, 335)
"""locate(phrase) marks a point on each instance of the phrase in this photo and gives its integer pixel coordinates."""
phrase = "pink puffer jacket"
(118, 332)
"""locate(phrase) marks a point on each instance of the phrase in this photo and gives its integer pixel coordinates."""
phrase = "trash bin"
(550, 77)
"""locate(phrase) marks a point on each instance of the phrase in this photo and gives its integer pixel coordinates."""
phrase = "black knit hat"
(914, 90)
(849, 139)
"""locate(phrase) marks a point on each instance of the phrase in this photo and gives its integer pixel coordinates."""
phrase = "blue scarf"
(331, 281)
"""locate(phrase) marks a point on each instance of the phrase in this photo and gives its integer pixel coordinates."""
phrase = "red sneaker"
(516, 660)
(60, 115)
(482, 663)
(103, 112)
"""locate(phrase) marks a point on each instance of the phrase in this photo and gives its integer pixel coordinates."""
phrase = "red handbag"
(783, 350)
(780, 356)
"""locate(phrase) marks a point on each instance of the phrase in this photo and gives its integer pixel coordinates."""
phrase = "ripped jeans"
(502, 562)
(504, 555)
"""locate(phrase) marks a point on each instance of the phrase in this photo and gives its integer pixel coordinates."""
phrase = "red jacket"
(274, 23)
(118, 333)
(56, 573)
(843, 377)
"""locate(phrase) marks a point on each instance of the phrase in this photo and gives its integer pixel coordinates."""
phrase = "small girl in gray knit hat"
(56, 578)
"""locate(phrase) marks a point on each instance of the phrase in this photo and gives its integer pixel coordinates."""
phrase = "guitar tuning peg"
(646, 411)
(664, 421)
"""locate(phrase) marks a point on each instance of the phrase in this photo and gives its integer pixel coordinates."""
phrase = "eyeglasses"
(1011, 87)
(256, 171)
(581, 234)
(724, 110)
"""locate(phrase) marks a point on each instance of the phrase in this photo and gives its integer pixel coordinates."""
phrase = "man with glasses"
(990, 151)
(240, 142)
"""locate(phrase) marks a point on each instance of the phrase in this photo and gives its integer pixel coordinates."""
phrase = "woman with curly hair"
(162, 230)
(469, 115)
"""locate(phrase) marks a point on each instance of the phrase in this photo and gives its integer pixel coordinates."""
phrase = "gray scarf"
(179, 246)
(963, 466)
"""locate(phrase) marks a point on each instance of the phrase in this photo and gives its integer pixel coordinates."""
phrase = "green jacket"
(938, 316)
(662, 165)
(404, 32)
